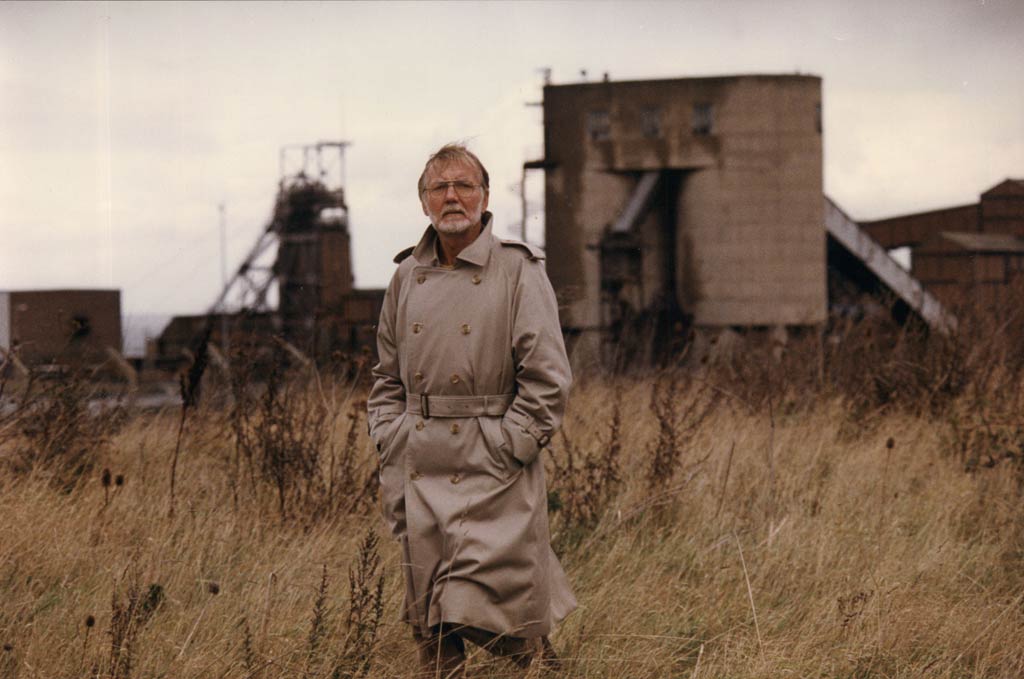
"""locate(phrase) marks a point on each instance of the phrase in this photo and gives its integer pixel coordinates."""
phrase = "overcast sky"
(123, 126)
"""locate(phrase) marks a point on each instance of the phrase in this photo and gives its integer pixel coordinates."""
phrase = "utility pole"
(522, 206)
(225, 343)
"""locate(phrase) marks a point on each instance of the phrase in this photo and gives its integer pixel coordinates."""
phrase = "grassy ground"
(706, 535)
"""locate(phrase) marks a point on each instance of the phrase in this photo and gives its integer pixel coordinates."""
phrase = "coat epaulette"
(533, 251)
(403, 254)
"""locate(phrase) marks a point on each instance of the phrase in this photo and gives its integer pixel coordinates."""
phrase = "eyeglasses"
(462, 189)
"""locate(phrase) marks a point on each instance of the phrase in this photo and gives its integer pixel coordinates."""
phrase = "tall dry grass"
(827, 513)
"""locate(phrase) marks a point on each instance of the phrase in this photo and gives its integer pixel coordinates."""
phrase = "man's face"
(453, 212)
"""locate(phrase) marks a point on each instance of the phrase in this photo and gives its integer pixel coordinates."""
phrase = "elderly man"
(471, 385)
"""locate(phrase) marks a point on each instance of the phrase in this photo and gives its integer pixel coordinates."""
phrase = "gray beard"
(455, 229)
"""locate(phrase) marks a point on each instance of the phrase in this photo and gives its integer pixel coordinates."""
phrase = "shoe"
(544, 656)
(442, 658)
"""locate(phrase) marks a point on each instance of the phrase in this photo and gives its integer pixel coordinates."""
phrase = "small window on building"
(650, 122)
(817, 117)
(702, 121)
(80, 327)
(599, 126)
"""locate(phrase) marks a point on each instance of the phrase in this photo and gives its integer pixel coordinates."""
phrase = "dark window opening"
(702, 120)
(80, 327)
(650, 122)
(817, 117)
(599, 126)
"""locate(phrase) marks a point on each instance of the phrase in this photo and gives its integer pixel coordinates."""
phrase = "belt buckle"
(425, 406)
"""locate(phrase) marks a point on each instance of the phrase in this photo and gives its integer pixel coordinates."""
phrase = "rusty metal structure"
(296, 281)
(309, 231)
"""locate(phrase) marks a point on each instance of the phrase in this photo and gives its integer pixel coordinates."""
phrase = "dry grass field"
(853, 511)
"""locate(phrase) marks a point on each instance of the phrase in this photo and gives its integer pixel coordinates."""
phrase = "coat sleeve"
(387, 396)
(543, 376)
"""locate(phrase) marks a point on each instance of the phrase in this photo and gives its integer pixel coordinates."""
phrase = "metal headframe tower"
(286, 265)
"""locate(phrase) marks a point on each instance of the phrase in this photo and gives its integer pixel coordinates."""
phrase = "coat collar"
(477, 253)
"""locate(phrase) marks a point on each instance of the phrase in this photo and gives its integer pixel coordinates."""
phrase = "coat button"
(418, 376)
(455, 379)
(456, 478)
(476, 279)
(465, 328)
(419, 425)
(421, 279)
(415, 476)
(455, 427)
(416, 327)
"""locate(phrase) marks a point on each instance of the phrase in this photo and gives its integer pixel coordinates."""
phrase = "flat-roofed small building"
(966, 255)
(60, 326)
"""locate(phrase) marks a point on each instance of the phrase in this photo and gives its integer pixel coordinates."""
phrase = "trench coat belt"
(457, 406)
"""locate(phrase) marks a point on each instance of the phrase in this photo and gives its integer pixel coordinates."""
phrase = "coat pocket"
(520, 444)
(385, 445)
(393, 474)
(497, 444)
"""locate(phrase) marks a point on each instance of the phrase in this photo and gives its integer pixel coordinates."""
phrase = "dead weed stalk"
(584, 483)
(127, 618)
(189, 383)
(680, 413)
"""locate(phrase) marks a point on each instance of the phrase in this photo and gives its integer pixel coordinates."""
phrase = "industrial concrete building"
(696, 203)
(63, 327)
(695, 200)
(968, 254)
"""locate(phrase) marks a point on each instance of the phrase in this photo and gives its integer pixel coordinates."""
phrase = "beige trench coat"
(465, 494)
